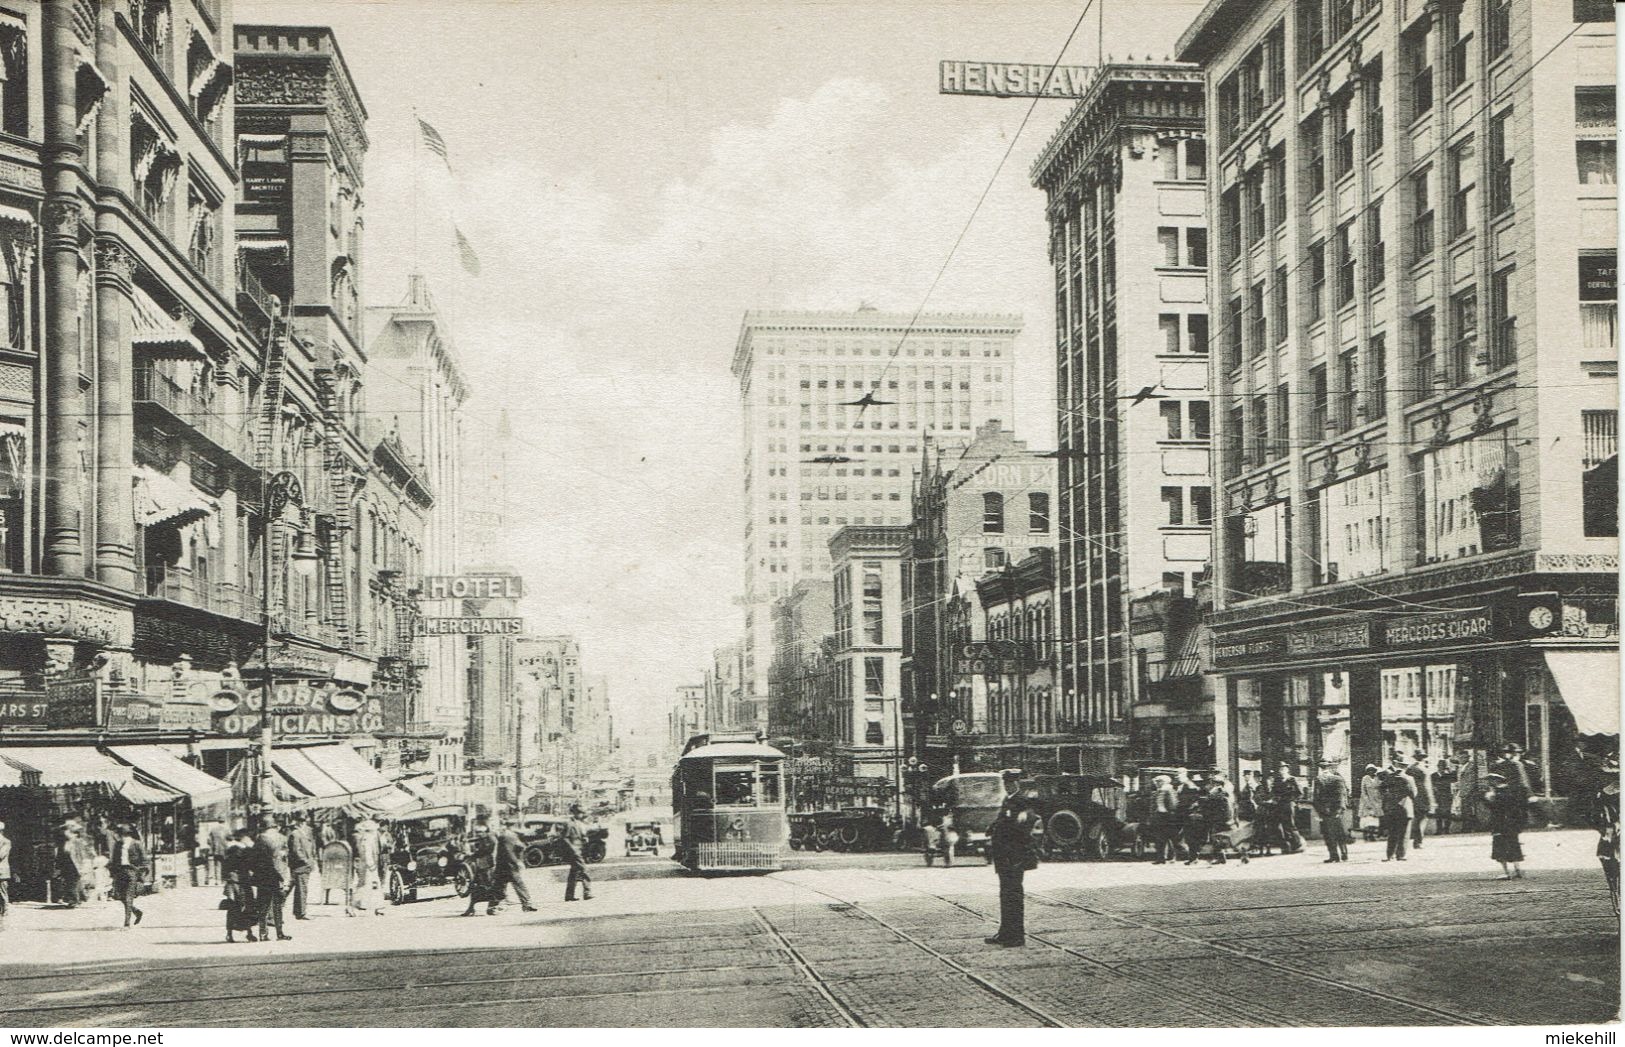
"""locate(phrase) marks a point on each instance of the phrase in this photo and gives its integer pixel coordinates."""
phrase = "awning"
(155, 765)
(391, 804)
(143, 795)
(329, 776)
(1589, 684)
(66, 765)
(161, 499)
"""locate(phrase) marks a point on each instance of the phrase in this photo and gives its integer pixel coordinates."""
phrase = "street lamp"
(277, 492)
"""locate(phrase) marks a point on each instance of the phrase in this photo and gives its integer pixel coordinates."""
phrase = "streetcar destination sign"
(1012, 79)
(470, 626)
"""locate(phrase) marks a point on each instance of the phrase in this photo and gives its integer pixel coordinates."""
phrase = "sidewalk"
(187, 923)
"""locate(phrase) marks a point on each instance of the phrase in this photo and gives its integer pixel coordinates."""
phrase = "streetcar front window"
(736, 786)
(770, 786)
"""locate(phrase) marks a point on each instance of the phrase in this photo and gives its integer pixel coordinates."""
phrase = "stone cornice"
(1091, 109)
(306, 79)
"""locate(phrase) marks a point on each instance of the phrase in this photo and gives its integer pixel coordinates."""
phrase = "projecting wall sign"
(470, 626)
(1012, 79)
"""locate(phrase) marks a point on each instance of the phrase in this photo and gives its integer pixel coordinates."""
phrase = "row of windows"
(993, 506)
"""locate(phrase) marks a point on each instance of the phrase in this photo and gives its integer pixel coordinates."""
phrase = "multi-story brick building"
(1416, 377)
(1129, 242)
(818, 457)
(866, 708)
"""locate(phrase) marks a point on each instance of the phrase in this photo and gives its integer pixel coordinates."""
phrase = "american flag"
(465, 253)
(432, 140)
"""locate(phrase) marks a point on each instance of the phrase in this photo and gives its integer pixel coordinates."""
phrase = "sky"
(633, 177)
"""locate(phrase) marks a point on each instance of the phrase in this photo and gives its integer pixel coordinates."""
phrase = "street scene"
(523, 514)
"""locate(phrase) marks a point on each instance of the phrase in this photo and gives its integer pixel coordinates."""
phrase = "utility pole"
(519, 762)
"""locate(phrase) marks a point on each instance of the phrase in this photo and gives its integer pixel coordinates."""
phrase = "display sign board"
(995, 657)
(1013, 79)
(298, 708)
(470, 626)
(73, 699)
(472, 587)
(25, 708)
(128, 711)
(1599, 277)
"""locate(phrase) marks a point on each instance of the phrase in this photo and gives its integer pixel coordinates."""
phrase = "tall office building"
(1417, 379)
(817, 459)
(1128, 239)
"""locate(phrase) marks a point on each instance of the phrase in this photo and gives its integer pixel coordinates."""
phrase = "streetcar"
(974, 799)
(727, 802)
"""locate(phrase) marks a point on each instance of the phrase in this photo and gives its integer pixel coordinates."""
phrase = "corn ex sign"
(1012, 79)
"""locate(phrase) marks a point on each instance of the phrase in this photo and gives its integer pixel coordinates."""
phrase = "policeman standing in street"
(1010, 841)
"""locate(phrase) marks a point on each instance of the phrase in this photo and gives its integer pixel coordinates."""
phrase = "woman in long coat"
(1507, 817)
(237, 875)
(1370, 803)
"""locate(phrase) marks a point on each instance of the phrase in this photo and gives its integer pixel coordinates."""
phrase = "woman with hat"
(1370, 808)
(1506, 822)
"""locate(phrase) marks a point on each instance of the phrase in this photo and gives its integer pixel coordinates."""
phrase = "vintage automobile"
(1084, 815)
(541, 835)
(643, 838)
(1137, 804)
(428, 852)
(973, 798)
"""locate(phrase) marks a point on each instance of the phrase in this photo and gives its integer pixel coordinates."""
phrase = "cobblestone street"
(881, 941)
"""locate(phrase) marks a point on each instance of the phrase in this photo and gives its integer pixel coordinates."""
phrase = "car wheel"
(849, 837)
(1066, 828)
(1139, 848)
(1097, 844)
(535, 857)
(463, 882)
(396, 892)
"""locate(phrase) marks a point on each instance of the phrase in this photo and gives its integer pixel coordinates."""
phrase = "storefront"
(1456, 684)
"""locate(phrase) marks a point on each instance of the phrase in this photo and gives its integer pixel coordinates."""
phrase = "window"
(1348, 374)
(1422, 350)
(1345, 263)
(1232, 333)
(1200, 429)
(1038, 512)
(14, 81)
(1463, 189)
(874, 733)
(1314, 156)
(1343, 133)
(151, 25)
(992, 513)
(1277, 178)
(1202, 506)
(203, 222)
(1317, 280)
(1278, 304)
(1275, 62)
(1168, 155)
(1279, 428)
(1422, 210)
(1171, 419)
(1317, 404)
(1416, 45)
(993, 557)
(1259, 335)
(1260, 430)
(1229, 110)
(873, 605)
(1377, 392)
(1503, 321)
(1230, 217)
(1373, 108)
(1599, 483)
(1464, 320)
(1500, 27)
(1376, 251)
(1500, 164)
(1196, 332)
(1257, 216)
(1196, 247)
(874, 677)
(1195, 160)
(1311, 33)
(1168, 240)
(1457, 47)
(1173, 506)
(1168, 324)
(1594, 144)
(1235, 440)
(1342, 18)
(1598, 300)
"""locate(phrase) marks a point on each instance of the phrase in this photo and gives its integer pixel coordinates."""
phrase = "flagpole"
(417, 180)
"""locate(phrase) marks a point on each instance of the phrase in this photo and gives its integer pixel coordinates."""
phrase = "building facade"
(818, 457)
(1124, 178)
(866, 701)
(686, 717)
(1417, 378)
(1017, 605)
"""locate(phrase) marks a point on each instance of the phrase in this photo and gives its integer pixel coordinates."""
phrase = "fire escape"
(338, 475)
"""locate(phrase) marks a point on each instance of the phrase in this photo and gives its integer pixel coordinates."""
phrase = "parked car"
(1084, 815)
(428, 852)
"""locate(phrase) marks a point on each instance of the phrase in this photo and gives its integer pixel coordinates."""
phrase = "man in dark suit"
(573, 846)
(509, 871)
(1285, 792)
(1010, 843)
(272, 877)
(127, 865)
(1425, 800)
(1398, 808)
(301, 862)
(1331, 799)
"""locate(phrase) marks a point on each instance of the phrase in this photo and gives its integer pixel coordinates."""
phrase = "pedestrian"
(1192, 831)
(102, 836)
(1331, 799)
(573, 847)
(128, 867)
(1164, 819)
(1444, 795)
(1285, 792)
(1398, 807)
(301, 863)
(1604, 818)
(481, 861)
(5, 875)
(237, 877)
(369, 891)
(1218, 819)
(1010, 844)
(272, 879)
(1246, 809)
(509, 871)
(1508, 815)
(1426, 803)
(1370, 808)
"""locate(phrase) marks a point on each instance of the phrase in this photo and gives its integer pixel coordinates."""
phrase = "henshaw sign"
(1013, 79)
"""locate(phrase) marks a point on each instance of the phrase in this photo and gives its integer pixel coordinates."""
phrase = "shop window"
(1594, 141)
(1598, 304)
(1249, 720)
(1468, 498)
(1263, 539)
(1357, 518)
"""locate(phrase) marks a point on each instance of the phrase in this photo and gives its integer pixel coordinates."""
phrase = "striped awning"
(155, 765)
(325, 776)
(143, 795)
(54, 766)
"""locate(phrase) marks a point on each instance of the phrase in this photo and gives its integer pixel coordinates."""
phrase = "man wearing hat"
(1511, 767)
(1010, 844)
(1331, 799)
(573, 846)
(509, 871)
(301, 862)
(1417, 768)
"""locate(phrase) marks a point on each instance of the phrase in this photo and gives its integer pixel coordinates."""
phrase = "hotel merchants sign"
(470, 626)
(1012, 79)
(472, 587)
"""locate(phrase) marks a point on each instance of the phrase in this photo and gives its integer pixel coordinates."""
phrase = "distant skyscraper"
(816, 459)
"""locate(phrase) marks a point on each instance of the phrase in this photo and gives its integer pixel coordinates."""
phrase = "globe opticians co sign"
(297, 708)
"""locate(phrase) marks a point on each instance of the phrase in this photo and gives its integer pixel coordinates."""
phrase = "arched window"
(992, 513)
